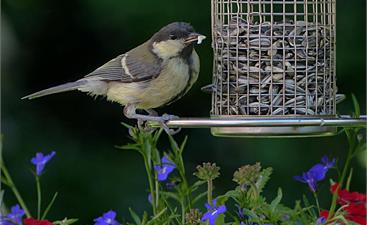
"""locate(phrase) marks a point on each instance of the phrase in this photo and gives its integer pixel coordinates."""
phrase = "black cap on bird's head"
(175, 38)
(173, 31)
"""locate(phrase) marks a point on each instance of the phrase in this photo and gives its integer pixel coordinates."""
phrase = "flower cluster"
(247, 175)
(207, 171)
(173, 199)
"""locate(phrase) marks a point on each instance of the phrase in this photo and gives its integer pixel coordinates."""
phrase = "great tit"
(156, 73)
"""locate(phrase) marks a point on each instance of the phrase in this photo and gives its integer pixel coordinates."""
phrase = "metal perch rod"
(342, 121)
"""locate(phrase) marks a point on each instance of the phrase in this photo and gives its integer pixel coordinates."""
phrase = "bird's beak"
(194, 37)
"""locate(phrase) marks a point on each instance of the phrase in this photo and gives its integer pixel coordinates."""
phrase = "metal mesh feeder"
(274, 59)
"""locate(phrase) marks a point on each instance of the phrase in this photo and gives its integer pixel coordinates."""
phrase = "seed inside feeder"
(279, 68)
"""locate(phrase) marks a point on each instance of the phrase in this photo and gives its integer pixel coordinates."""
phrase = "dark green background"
(45, 43)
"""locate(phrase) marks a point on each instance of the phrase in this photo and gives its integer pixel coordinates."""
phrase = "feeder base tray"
(269, 127)
(273, 132)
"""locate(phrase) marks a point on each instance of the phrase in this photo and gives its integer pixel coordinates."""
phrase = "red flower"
(356, 213)
(324, 213)
(30, 221)
(346, 197)
(354, 202)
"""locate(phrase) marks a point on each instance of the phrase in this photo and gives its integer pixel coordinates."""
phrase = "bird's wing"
(129, 67)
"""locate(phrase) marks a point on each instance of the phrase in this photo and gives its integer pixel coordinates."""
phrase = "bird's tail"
(57, 89)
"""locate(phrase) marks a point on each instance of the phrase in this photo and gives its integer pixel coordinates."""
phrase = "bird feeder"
(274, 70)
(274, 59)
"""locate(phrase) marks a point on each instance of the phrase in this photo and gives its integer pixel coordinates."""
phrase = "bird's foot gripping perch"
(130, 112)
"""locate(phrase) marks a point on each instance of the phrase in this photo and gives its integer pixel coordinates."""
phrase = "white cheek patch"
(167, 49)
(200, 39)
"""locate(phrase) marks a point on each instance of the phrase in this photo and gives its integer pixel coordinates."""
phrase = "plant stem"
(185, 184)
(317, 201)
(351, 140)
(183, 211)
(210, 191)
(156, 192)
(151, 185)
(39, 197)
(14, 189)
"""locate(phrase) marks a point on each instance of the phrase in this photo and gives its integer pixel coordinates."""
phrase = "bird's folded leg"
(130, 112)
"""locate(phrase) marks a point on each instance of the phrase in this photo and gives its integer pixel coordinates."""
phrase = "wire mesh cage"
(274, 59)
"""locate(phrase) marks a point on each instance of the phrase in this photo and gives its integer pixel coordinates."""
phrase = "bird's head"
(175, 39)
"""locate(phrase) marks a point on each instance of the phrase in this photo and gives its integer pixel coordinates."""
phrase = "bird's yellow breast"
(153, 93)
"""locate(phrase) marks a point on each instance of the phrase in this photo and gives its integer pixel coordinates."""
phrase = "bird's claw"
(144, 126)
(165, 118)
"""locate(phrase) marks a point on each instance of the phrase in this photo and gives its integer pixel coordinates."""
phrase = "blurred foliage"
(45, 43)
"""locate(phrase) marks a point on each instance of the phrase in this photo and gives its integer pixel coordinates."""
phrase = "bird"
(154, 74)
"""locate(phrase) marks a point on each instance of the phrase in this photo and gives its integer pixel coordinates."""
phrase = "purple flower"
(213, 212)
(163, 171)
(40, 161)
(15, 215)
(316, 173)
(108, 218)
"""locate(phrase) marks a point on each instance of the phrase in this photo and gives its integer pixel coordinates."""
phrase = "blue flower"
(213, 212)
(150, 198)
(316, 173)
(309, 179)
(108, 218)
(163, 171)
(327, 163)
(40, 161)
(240, 213)
(15, 215)
(320, 220)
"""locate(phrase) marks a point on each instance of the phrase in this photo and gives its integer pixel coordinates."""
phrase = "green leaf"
(183, 144)
(197, 184)
(171, 195)
(49, 206)
(134, 147)
(276, 201)
(174, 144)
(157, 216)
(349, 179)
(199, 197)
(135, 216)
(127, 125)
(309, 207)
(357, 109)
(145, 218)
(65, 221)
(234, 194)
(250, 214)
(220, 220)
(264, 178)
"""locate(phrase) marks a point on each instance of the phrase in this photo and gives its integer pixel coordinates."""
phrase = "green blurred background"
(45, 43)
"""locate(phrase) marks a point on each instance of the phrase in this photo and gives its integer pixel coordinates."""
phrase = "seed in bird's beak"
(195, 37)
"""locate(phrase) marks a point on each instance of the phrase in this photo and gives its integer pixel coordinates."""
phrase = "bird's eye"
(173, 37)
